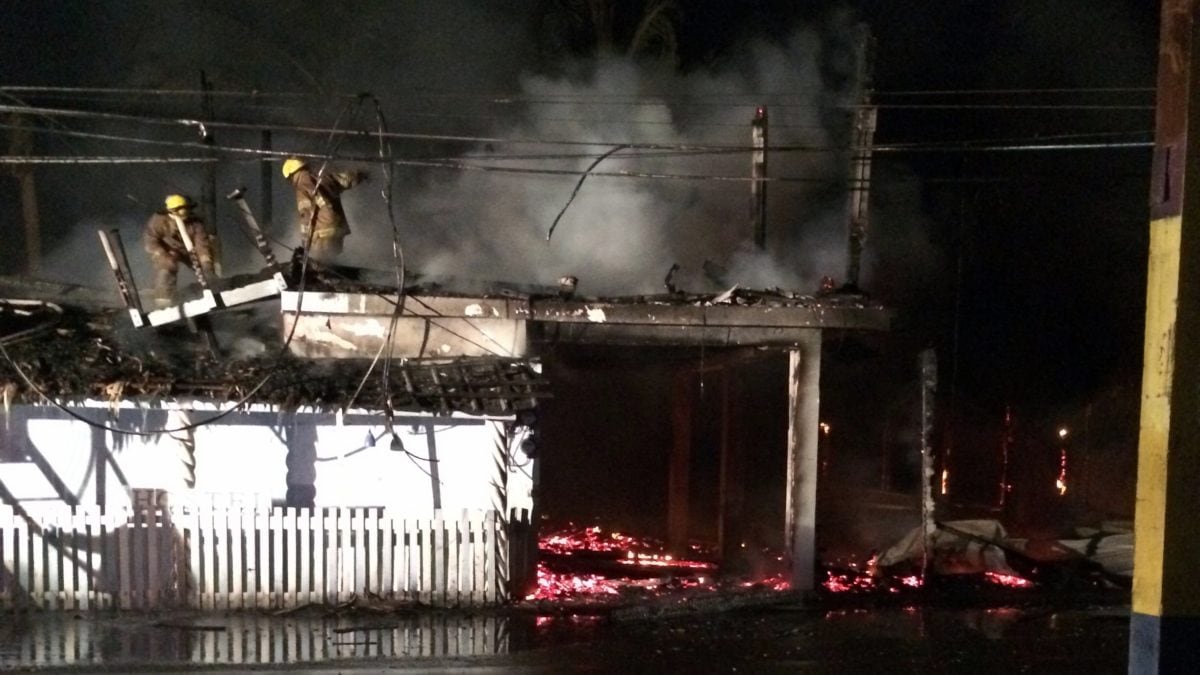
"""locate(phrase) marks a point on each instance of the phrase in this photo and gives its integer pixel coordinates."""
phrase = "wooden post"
(435, 479)
(804, 404)
(680, 464)
(730, 532)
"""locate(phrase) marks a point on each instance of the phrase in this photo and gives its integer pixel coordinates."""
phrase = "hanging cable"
(586, 172)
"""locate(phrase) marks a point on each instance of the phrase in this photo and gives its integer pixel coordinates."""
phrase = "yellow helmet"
(291, 166)
(174, 202)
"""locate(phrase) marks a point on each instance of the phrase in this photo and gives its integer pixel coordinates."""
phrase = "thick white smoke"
(622, 234)
(442, 70)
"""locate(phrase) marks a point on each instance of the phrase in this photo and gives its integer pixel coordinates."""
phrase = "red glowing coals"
(656, 560)
(844, 583)
(857, 582)
(1010, 580)
(591, 565)
(567, 542)
(555, 585)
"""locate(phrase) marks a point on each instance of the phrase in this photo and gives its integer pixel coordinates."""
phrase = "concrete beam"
(635, 335)
(816, 315)
(804, 398)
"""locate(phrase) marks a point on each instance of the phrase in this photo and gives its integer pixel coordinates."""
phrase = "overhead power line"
(517, 96)
(690, 147)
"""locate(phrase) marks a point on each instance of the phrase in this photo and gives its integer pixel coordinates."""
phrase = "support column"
(804, 404)
(680, 464)
(435, 480)
(731, 528)
(301, 434)
(1165, 623)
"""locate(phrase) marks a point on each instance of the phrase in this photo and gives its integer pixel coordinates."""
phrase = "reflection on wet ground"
(51, 639)
(780, 638)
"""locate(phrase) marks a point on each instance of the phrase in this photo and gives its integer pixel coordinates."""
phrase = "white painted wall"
(243, 458)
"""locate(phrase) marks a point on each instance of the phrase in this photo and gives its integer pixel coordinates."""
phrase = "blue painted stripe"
(1163, 644)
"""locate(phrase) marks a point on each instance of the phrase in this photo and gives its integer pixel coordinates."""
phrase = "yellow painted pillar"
(1165, 625)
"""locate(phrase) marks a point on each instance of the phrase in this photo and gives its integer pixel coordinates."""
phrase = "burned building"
(305, 474)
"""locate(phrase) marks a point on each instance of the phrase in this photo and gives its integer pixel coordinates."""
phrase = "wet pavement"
(780, 638)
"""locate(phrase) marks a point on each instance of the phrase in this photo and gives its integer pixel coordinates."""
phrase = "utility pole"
(208, 195)
(21, 144)
(860, 163)
(758, 171)
(1165, 622)
(265, 175)
(929, 376)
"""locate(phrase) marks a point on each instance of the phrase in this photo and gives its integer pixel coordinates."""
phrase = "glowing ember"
(776, 582)
(593, 539)
(655, 560)
(853, 581)
(842, 583)
(585, 563)
(1010, 580)
(553, 586)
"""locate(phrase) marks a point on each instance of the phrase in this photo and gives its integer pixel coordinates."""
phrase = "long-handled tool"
(120, 270)
(238, 197)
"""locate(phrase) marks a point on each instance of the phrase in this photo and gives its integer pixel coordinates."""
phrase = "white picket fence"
(82, 558)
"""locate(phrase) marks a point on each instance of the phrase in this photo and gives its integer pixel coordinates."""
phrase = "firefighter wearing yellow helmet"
(165, 246)
(322, 220)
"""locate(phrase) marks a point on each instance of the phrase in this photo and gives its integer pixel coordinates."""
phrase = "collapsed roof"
(79, 343)
(71, 353)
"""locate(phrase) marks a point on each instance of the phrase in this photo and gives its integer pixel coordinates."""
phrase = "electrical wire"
(1030, 143)
(434, 93)
(456, 138)
(586, 172)
(245, 126)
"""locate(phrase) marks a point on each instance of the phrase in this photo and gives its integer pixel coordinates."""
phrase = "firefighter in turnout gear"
(165, 245)
(322, 219)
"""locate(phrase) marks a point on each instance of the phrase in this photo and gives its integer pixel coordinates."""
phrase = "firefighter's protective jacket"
(163, 243)
(329, 219)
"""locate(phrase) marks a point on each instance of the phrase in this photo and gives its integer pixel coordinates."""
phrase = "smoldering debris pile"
(978, 558)
(598, 569)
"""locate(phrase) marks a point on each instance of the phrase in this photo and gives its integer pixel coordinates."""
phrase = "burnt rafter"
(83, 358)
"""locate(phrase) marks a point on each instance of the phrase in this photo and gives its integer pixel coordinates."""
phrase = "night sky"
(1025, 268)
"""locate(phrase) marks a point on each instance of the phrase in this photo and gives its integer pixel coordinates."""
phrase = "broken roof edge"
(735, 307)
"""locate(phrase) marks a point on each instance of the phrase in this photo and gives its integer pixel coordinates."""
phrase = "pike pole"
(129, 293)
(194, 259)
(238, 197)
